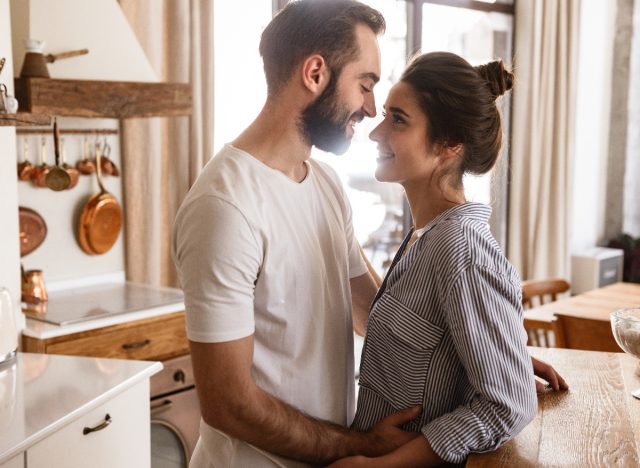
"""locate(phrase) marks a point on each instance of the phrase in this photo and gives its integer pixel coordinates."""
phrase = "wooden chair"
(539, 290)
(586, 334)
(536, 293)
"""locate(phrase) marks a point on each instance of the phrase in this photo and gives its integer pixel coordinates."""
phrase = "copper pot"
(40, 172)
(25, 168)
(33, 289)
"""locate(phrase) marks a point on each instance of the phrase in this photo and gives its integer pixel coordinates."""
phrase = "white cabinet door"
(124, 442)
(15, 462)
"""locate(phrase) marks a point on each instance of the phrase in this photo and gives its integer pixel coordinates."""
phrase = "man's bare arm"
(363, 290)
(231, 402)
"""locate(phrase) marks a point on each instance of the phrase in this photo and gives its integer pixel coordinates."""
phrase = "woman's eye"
(395, 118)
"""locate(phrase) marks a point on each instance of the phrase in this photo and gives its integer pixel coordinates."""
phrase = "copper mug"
(33, 289)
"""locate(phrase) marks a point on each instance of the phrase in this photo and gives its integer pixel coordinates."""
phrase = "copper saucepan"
(101, 219)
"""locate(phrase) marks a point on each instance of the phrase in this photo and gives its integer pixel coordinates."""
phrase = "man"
(273, 277)
(265, 251)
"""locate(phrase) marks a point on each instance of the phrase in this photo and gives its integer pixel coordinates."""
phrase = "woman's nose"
(376, 133)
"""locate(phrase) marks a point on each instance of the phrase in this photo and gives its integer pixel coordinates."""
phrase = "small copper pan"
(33, 230)
(101, 219)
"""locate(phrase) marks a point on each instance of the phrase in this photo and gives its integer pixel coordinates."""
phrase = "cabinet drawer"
(125, 442)
(149, 340)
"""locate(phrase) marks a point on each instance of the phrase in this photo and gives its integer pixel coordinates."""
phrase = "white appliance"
(8, 332)
(595, 267)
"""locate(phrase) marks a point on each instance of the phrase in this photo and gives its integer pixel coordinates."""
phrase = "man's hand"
(548, 373)
(386, 436)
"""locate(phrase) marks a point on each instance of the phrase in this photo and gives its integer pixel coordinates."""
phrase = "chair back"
(539, 292)
(536, 293)
(586, 334)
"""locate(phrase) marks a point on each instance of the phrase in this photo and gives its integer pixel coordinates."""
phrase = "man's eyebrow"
(370, 75)
(398, 110)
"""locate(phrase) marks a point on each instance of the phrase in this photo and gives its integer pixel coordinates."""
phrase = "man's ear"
(315, 73)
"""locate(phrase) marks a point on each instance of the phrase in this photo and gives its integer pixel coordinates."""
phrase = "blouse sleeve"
(484, 316)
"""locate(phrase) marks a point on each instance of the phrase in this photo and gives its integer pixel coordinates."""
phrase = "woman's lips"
(384, 156)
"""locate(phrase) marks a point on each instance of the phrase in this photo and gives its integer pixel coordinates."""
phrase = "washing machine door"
(175, 421)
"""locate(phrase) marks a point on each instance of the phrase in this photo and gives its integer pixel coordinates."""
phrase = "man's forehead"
(367, 65)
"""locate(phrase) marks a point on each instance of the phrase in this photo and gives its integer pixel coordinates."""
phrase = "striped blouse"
(445, 331)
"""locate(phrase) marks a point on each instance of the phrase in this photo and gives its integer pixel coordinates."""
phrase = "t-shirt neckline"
(266, 167)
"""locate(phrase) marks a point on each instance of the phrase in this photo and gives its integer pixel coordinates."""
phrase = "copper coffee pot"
(33, 289)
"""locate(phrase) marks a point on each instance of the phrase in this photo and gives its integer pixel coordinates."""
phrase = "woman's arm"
(483, 315)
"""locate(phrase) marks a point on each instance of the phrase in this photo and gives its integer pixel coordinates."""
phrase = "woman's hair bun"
(499, 79)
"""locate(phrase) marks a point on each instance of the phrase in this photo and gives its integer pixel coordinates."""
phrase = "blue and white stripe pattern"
(445, 331)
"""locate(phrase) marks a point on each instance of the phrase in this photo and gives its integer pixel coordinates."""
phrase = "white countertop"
(43, 331)
(86, 296)
(40, 393)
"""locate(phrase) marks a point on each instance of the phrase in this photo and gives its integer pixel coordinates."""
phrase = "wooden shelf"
(24, 119)
(102, 99)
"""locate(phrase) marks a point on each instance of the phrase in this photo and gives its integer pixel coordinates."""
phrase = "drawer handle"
(164, 406)
(136, 344)
(99, 427)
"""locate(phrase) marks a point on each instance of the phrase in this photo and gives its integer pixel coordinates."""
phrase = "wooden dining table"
(596, 304)
(595, 423)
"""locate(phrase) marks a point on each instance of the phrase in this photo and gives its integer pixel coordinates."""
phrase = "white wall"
(592, 123)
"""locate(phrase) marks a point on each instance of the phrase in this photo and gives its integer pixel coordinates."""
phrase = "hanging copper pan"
(101, 219)
(33, 230)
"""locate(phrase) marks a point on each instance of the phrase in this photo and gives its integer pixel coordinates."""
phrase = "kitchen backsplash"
(60, 256)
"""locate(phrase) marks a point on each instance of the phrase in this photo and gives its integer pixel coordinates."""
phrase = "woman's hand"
(548, 373)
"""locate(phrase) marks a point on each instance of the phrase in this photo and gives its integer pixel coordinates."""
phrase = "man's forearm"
(268, 423)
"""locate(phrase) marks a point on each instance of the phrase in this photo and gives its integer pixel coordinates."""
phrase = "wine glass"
(625, 324)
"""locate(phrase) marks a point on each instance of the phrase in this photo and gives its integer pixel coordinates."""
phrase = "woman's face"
(405, 154)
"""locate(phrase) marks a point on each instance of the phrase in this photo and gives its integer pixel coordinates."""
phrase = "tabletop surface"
(596, 304)
(595, 423)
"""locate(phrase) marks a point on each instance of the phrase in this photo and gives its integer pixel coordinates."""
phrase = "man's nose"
(369, 106)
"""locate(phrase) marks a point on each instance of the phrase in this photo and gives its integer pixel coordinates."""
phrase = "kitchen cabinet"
(72, 412)
(119, 436)
(156, 338)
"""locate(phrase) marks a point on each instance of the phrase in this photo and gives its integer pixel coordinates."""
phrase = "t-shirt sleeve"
(218, 260)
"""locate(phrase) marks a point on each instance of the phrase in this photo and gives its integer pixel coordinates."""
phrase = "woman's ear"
(449, 153)
(315, 74)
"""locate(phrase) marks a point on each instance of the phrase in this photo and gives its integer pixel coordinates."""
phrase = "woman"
(445, 329)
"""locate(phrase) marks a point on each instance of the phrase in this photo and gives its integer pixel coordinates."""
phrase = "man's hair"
(306, 27)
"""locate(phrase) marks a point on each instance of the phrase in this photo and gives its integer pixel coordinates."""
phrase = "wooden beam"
(23, 119)
(102, 99)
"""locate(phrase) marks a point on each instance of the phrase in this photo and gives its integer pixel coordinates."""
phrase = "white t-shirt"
(259, 253)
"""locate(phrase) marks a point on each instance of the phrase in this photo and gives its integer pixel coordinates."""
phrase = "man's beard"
(324, 122)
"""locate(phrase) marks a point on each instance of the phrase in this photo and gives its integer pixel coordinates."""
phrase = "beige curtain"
(163, 156)
(546, 49)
